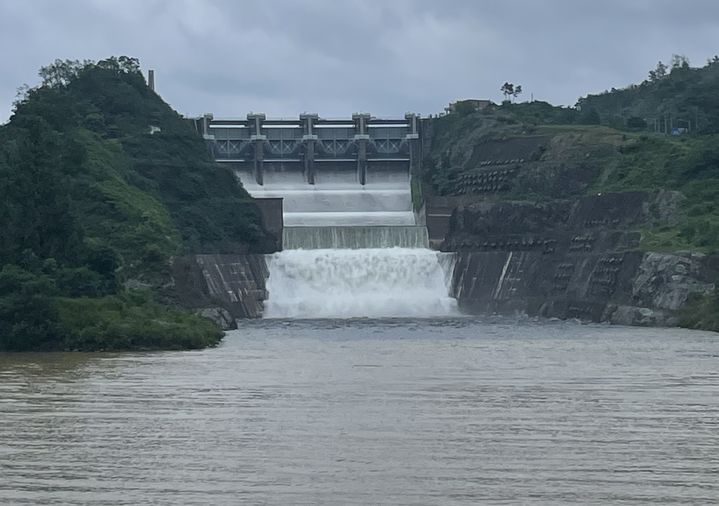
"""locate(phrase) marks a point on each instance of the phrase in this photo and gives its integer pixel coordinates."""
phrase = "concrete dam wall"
(223, 287)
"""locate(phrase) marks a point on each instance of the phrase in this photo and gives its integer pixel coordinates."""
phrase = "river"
(444, 411)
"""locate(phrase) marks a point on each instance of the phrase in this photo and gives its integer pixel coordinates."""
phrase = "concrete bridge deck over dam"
(310, 147)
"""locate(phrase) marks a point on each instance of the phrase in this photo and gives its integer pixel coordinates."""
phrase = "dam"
(344, 185)
(352, 244)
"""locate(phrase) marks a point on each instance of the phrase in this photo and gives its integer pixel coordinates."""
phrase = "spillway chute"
(351, 250)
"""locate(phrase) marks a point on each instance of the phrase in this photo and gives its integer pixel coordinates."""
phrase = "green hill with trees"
(658, 136)
(101, 184)
(675, 96)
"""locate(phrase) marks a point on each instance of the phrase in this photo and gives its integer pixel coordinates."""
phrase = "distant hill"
(674, 96)
(101, 184)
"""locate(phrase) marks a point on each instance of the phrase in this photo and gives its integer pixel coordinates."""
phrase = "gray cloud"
(339, 56)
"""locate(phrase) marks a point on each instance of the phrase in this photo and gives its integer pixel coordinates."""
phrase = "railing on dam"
(310, 143)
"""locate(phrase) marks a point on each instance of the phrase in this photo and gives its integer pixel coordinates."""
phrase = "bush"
(132, 321)
(83, 282)
(701, 313)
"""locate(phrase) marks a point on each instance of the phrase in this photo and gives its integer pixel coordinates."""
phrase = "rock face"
(589, 224)
(572, 259)
(666, 281)
(220, 316)
(629, 288)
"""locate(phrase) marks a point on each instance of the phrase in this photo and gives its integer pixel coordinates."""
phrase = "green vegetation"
(673, 96)
(701, 313)
(689, 165)
(101, 184)
(510, 91)
(34, 316)
(129, 322)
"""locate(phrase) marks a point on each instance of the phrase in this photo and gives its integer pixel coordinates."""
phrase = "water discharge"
(355, 237)
(337, 198)
(340, 283)
(352, 250)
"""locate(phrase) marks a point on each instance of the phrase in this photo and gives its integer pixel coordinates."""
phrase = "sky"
(336, 57)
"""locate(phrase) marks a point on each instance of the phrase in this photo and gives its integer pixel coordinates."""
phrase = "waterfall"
(355, 237)
(371, 282)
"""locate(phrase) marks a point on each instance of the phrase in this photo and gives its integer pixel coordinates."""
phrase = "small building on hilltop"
(468, 104)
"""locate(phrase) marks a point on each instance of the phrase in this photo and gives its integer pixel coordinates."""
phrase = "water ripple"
(451, 411)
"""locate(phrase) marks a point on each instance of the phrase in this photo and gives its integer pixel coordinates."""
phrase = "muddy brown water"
(454, 411)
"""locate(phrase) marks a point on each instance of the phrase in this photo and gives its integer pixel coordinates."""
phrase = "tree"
(60, 73)
(658, 73)
(589, 116)
(508, 90)
(28, 318)
(517, 91)
(35, 204)
(680, 61)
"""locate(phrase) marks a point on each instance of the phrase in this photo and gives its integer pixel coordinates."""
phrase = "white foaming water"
(373, 283)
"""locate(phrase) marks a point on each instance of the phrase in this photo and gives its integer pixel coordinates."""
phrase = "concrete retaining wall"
(235, 283)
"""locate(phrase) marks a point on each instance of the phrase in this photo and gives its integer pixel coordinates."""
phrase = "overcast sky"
(335, 57)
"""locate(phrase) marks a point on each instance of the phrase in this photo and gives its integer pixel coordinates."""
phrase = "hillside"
(101, 184)
(537, 153)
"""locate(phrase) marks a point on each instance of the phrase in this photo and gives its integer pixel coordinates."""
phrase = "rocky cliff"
(573, 259)
(629, 288)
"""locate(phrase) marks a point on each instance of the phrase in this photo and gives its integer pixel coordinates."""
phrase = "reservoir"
(361, 411)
